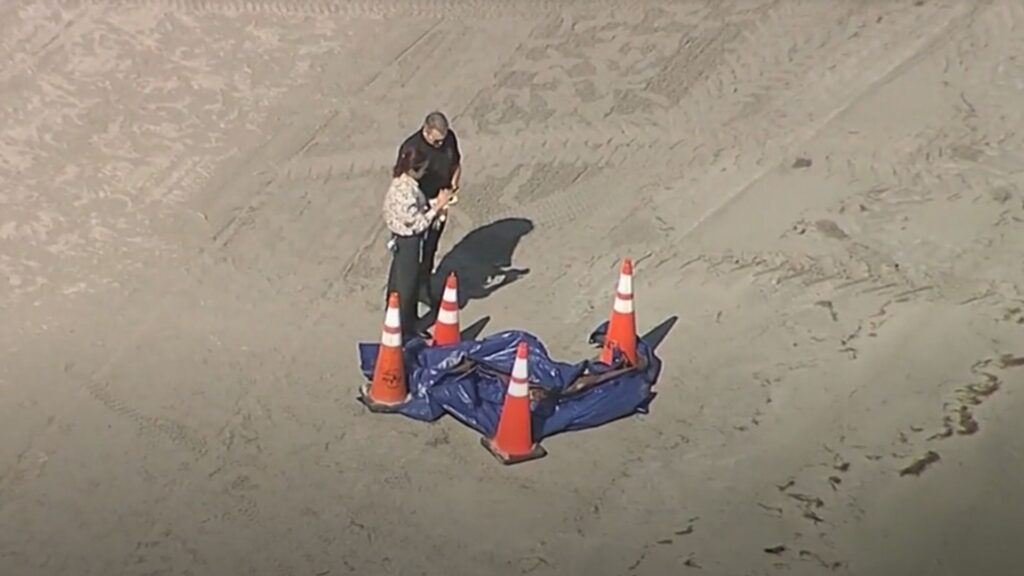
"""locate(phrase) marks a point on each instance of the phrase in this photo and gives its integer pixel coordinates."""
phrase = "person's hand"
(443, 197)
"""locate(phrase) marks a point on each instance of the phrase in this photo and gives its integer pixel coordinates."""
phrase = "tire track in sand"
(734, 135)
(316, 208)
(790, 131)
(587, 149)
(753, 135)
(896, 62)
(445, 9)
(223, 237)
(584, 143)
(243, 505)
(95, 384)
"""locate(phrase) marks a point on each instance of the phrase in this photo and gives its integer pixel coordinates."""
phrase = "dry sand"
(828, 195)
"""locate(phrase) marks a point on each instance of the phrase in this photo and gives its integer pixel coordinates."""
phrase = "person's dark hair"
(437, 121)
(411, 158)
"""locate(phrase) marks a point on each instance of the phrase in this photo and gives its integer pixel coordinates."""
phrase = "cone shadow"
(472, 332)
(657, 335)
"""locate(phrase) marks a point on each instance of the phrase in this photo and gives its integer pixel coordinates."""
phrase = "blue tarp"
(440, 383)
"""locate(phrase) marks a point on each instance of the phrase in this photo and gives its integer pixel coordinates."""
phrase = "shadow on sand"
(473, 331)
(655, 336)
(482, 259)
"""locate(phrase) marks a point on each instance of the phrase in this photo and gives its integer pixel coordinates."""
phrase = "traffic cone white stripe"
(446, 323)
(392, 319)
(626, 284)
(446, 316)
(519, 386)
(623, 305)
(391, 339)
(624, 295)
(392, 333)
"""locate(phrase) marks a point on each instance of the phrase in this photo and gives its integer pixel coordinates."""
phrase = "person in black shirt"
(438, 143)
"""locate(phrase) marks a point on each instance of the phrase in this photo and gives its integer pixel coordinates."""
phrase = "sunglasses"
(433, 137)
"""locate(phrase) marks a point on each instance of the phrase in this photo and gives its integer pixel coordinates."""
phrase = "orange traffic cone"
(446, 328)
(388, 388)
(513, 440)
(622, 326)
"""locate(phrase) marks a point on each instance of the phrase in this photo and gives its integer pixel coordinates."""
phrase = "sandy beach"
(824, 201)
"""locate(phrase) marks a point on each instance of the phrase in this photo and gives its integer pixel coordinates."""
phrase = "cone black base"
(535, 453)
(379, 407)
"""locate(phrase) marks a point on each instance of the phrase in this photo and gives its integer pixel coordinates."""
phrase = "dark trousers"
(405, 278)
(430, 242)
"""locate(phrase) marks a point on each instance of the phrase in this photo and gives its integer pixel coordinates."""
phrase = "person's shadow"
(482, 259)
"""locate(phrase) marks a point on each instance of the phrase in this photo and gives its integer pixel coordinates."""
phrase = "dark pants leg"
(430, 242)
(404, 278)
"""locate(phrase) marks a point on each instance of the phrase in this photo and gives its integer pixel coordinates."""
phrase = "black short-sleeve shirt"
(443, 161)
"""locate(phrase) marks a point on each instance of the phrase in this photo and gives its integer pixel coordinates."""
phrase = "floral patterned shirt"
(406, 210)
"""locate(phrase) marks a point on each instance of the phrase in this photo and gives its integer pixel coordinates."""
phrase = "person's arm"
(421, 219)
(401, 148)
(418, 221)
(456, 176)
(402, 214)
(456, 163)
